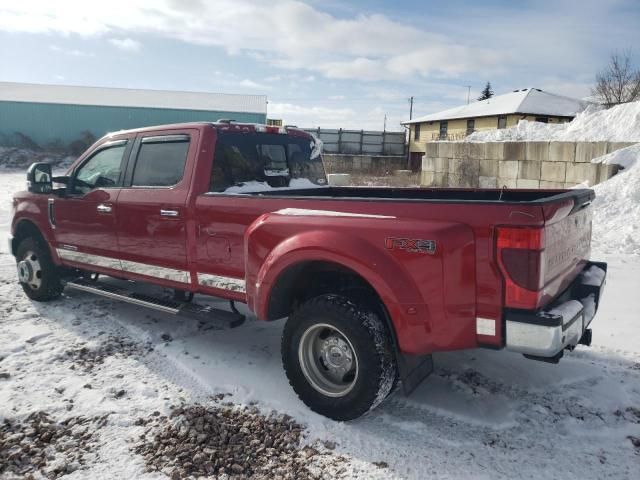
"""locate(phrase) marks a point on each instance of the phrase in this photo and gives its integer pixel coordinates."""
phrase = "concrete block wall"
(364, 164)
(516, 164)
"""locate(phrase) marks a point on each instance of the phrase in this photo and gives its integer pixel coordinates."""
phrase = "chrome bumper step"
(192, 310)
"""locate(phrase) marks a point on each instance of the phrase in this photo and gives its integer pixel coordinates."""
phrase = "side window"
(471, 126)
(160, 161)
(262, 161)
(416, 135)
(444, 127)
(102, 170)
(502, 121)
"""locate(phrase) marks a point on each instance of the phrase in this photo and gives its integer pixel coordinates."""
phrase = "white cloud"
(71, 51)
(313, 116)
(285, 33)
(247, 83)
(127, 44)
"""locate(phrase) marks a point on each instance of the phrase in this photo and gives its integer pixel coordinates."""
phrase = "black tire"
(45, 284)
(364, 332)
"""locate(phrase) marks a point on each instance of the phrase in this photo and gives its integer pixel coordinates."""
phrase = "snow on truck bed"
(482, 414)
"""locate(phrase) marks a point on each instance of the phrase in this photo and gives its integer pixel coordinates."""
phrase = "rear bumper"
(545, 333)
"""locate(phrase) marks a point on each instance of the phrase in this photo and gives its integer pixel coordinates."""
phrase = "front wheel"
(338, 357)
(38, 275)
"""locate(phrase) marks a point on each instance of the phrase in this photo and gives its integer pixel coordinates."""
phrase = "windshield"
(264, 161)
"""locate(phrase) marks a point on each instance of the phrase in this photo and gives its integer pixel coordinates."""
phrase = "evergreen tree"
(486, 92)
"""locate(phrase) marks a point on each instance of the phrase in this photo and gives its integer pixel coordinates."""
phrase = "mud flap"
(413, 369)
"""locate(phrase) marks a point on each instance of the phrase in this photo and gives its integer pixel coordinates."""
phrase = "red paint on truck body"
(433, 298)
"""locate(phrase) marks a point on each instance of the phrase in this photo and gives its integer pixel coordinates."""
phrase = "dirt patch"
(41, 445)
(87, 358)
(239, 442)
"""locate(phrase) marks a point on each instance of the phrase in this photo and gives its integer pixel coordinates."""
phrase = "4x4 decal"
(415, 245)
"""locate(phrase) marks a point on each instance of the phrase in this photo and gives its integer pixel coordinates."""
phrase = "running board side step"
(201, 312)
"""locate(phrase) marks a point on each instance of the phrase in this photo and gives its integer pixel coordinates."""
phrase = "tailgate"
(567, 234)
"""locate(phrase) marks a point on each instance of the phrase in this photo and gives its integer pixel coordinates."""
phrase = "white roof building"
(530, 101)
(127, 97)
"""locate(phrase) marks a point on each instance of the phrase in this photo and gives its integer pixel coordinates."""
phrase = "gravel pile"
(41, 445)
(88, 358)
(227, 442)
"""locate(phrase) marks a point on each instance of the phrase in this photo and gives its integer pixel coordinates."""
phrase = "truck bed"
(448, 195)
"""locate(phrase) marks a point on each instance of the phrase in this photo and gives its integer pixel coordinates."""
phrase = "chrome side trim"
(89, 259)
(156, 271)
(221, 282)
(299, 212)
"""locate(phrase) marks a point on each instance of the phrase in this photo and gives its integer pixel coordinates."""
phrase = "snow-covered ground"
(482, 414)
(617, 124)
(616, 223)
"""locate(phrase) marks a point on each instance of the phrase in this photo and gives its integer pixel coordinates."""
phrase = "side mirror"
(39, 178)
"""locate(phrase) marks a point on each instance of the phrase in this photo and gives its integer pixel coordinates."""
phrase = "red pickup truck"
(373, 280)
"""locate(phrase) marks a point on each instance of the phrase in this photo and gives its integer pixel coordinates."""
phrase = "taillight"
(520, 253)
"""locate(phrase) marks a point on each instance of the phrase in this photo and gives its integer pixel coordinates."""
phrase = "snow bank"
(616, 220)
(617, 124)
(11, 157)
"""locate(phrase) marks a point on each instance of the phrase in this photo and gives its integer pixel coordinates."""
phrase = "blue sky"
(321, 63)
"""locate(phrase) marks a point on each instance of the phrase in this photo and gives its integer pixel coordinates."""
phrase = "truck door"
(152, 213)
(85, 218)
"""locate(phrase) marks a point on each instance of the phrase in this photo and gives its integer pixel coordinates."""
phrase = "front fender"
(34, 211)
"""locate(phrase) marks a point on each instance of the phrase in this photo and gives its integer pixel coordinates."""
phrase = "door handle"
(168, 213)
(104, 208)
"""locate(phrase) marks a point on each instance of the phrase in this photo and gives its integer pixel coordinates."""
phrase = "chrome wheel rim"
(30, 271)
(328, 360)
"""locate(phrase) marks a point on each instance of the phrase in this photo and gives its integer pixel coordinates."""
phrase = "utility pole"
(385, 123)
(468, 93)
(408, 137)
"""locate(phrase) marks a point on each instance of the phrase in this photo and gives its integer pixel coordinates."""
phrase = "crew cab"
(372, 281)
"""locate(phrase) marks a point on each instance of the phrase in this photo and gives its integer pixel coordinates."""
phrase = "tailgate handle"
(168, 213)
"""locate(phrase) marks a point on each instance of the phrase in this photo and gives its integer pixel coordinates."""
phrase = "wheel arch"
(304, 280)
(25, 228)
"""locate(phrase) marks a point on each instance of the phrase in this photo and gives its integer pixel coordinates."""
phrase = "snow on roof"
(528, 100)
(125, 97)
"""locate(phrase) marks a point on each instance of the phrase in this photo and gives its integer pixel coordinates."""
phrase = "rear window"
(161, 161)
(264, 161)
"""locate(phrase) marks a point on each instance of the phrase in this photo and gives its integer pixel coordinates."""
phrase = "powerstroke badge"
(414, 245)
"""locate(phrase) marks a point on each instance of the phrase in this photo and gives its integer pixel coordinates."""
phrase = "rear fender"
(386, 276)
(429, 295)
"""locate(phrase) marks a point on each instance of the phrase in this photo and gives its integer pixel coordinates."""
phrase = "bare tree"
(619, 82)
